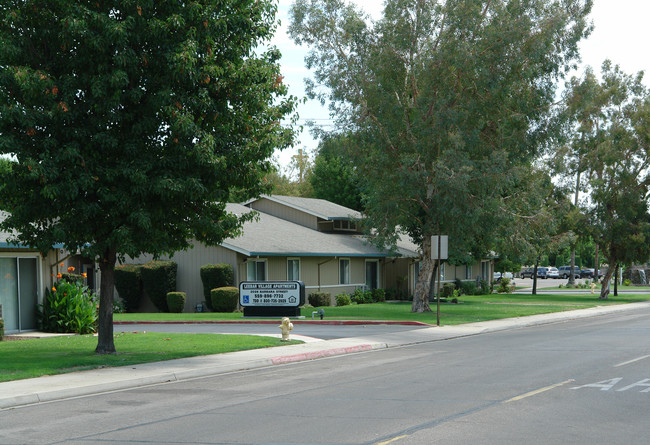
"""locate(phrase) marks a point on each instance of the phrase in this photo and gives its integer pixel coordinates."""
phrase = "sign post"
(271, 298)
(439, 251)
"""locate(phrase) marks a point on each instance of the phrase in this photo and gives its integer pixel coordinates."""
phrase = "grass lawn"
(469, 309)
(22, 359)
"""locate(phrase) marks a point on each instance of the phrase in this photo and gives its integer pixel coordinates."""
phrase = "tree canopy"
(131, 121)
(610, 134)
(445, 99)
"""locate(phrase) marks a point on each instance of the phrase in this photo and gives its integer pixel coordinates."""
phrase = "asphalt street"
(568, 380)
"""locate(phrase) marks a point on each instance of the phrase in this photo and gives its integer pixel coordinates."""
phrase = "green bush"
(504, 286)
(362, 297)
(343, 300)
(378, 295)
(224, 299)
(2, 329)
(129, 285)
(176, 301)
(468, 288)
(214, 276)
(158, 279)
(447, 290)
(67, 308)
(72, 277)
(320, 299)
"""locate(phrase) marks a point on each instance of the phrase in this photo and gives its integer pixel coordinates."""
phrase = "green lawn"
(469, 309)
(22, 359)
(30, 358)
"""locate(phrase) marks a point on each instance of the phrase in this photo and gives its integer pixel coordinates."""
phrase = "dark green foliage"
(447, 290)
(176, 301)
(72, 277)
(2, 329)
(131, 122)
(214, 276)
(68, 307)
(343, 300)
(362, 297)
(129, 285)
(504, 286)
(225, 299)
(468, 288)
(320, 299)
(378, 295)
(158, 279)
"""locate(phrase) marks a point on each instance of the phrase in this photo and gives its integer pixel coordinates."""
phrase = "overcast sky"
(621, 34)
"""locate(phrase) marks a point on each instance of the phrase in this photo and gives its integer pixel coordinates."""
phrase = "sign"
(443, 247)
(271, 293)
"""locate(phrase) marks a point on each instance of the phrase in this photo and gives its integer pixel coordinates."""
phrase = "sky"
(621, 34)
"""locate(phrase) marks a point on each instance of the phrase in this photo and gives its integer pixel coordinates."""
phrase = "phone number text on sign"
(285, 293)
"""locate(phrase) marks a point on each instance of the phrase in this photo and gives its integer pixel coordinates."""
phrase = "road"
(581, 382)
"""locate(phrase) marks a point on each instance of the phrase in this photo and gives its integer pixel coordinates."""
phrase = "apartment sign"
(271, 293)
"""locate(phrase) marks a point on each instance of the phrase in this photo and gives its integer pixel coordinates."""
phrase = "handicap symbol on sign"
(245, 299)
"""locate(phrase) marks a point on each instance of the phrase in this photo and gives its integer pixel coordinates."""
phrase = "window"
(344, 271)
(468, 272)
(442, 271)
(293, 269)
(340, 224)
(256, 270)
(372, 274)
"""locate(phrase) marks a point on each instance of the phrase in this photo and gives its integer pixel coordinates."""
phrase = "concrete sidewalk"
(48, 388)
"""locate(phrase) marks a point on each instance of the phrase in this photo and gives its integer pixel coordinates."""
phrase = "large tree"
(610, 123)
(130, 122)
(445, 99)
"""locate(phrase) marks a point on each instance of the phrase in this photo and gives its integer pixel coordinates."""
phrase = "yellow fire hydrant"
(593, 287)
(286, 327)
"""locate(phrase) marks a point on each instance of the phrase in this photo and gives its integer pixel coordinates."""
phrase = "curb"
(275, 321)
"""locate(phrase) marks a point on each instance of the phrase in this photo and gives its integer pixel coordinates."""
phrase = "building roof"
(272, 236)
(320, 208)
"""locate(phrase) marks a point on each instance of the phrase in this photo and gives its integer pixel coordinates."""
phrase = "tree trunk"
(604, 291)
(616, 281)
(596, 265)
(105, 343)
(572, 277)
(423, 286)
(535, 277)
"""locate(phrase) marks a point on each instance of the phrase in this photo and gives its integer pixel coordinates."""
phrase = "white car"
(553, 272)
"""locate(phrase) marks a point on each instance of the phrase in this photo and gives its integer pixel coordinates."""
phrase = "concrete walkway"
(49, 388)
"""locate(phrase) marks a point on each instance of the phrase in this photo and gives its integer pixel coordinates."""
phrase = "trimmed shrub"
(468, 287)
(225, 299)
(2, 329)
(129, 285)
(504, 286)
(214, 276)
(67, 308)
(361, 297)
(378, 295)
(343, 300)
(176, 301)
(158, 279)
(447, 290)
(319, 299)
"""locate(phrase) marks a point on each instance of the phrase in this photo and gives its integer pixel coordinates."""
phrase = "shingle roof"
(272, 236)
(320, 208)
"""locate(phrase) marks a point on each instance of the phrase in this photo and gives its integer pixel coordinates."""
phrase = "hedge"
(176, 301)
(2, 329)
(225, 299)
(158, 279)
(214, 276)
(319, 299)
(129, 285)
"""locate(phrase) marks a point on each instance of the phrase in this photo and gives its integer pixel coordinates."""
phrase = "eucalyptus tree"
(611, 125)
(130, 122)
(445, 99)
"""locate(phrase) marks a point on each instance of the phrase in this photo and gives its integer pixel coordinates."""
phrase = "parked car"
(565, 271)
(589, 273)
(553, 273)
(527, 272)
(498, 275)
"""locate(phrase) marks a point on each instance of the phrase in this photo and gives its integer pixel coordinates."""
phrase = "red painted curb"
(319, 354)
(321, 322)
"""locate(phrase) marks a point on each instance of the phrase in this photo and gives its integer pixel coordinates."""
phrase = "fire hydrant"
(593, 287)
(286, 327)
